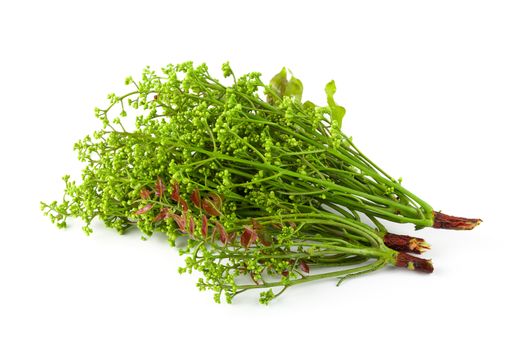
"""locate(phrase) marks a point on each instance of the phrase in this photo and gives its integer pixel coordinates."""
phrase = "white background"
(434, 92)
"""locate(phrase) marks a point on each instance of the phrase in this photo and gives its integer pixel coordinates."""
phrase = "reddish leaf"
(181, 221)
(175, 191)
(144, 209)
(196, 198)
(216, 200)
(222, 232)
(304, 266)
(192, 225)
(144, 193)
(285, 273)
(204, 228)
(183, 204)
(159, 187)
(248, 236)
(163, 214)
(209, 207)
(245, 239)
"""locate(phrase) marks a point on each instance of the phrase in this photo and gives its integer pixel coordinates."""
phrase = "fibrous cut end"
(414, 263)
(404, 243)
(450, 222)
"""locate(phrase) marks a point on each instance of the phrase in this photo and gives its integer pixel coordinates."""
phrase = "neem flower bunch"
(257, 188)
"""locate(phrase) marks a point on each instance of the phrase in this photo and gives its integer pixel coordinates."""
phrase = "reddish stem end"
(403, 243)
(454, 222)
(414, 263)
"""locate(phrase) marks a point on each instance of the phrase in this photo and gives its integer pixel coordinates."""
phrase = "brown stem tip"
(414, 263)
(404, 243)
(454, 222)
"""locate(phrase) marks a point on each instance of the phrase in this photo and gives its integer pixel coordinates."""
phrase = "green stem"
(355, 270)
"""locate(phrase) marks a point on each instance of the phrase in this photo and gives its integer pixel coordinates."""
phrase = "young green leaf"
(294, 89)
(279, 82)
(337, 112)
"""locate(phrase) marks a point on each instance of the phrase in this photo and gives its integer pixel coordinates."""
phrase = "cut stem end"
(404, 243)
(449, 222)
(414, 263)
